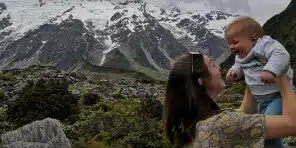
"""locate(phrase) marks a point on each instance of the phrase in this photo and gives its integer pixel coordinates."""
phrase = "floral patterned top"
(230, 129)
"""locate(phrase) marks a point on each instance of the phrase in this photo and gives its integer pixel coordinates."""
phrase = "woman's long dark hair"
(186, 101)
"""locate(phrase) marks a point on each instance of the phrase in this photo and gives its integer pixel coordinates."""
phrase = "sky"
(261, 10)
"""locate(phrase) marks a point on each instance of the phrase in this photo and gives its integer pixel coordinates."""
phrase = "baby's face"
(239, 44)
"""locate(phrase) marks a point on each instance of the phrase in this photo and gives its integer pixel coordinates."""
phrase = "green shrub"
(78, 88)
(2, 94)
(151, 108)
(291, 141)
(7, 77)
(232, 90)
(4, 125)
(143, 78)
(3, 115)
(41, 99)
(122, 124)
(90, 98)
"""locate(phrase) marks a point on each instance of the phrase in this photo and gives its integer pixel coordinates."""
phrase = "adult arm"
(248, 105)
(284, 125)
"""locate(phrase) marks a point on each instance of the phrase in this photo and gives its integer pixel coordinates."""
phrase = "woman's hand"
(283, 125)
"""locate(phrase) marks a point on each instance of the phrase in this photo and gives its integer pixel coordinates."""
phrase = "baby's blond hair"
(246, 26)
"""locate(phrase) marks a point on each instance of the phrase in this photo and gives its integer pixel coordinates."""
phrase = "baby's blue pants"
(270, 104)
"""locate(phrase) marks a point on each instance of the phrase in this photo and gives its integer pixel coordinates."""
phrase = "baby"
(259, 59)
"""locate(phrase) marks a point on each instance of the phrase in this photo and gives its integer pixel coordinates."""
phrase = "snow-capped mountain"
(130, 35)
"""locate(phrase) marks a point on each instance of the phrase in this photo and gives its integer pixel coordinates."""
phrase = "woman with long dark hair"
(192, 118)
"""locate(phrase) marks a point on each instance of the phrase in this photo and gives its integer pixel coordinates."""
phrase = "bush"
(119, 124)
(143, 78)
(151, 108)
(7, 77)
(3, 115)
(2, 94)
(90, 98)
(4, 125)
(41, 99)
(291, 141)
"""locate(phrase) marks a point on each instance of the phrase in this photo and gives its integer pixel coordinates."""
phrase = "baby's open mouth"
(235, 51)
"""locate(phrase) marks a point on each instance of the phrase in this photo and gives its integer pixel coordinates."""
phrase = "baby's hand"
(231, 77)
(267, 77)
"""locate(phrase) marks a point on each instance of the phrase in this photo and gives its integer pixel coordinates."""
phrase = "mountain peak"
(131, 34)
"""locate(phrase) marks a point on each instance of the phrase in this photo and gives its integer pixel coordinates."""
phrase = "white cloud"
(190, 6)
(265, 9)
(261, 10)
(160, 3)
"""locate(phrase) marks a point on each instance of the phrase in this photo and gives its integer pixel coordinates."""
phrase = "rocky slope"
(282, 27)
(124, 105)
(109, 86)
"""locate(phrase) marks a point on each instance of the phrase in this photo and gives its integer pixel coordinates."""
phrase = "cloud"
(160, 3)
(259, 9)
(265, 9)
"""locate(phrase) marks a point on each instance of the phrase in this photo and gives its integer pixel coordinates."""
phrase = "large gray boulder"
(47, 133)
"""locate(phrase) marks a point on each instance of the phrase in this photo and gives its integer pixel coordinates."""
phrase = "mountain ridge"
(130, 35)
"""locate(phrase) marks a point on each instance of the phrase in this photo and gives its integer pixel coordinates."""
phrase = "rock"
(46, 133)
